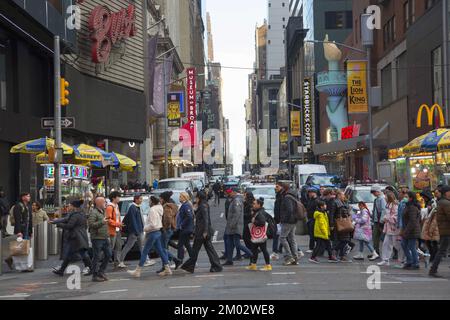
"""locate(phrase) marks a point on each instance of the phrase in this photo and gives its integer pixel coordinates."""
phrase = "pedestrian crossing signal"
(64, 92)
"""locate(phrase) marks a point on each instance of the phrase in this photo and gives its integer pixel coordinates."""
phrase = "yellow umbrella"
(38, 146)
(43, 158)
(88, 153)
(434, 141)
(123, 162)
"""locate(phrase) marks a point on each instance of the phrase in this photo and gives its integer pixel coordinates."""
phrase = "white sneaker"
(172, 265)
(309, 251)
(374, 256)
(359, 257)
(149, 263)
(300, 254)
(274, 257)
(122, 265)
(384, 263)
(86, 270)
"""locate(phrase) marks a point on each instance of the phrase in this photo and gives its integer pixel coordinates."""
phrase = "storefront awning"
(341, 146)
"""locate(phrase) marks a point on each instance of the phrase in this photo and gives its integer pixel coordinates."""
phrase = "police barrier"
(41, 241)
(53, 240)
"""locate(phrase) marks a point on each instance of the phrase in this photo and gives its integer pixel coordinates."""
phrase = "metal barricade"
(53, 240)
(41, 241)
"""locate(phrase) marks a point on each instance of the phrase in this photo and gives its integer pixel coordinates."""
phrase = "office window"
(338, 20)
(409, 12)
(389, 32)
(436, 56)
(2, 77)
(283, 4)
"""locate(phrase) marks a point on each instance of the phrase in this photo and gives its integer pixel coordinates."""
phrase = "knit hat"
(166, 195)
(75, 201)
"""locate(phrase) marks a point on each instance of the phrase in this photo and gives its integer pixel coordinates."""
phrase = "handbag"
(19, 248)
(24, 263)
(344, 224)
(258, 234)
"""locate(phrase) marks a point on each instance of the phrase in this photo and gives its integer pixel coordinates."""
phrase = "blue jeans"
(276, 243)
(363, 243)
(154, 240)
(410, 248)
(235, 242)
(99, 246)
(165, 238)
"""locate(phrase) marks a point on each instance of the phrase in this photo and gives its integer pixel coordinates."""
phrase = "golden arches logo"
(430, 114)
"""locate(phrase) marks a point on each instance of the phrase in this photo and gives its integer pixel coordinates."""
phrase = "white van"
(196, 176)
(302, 171)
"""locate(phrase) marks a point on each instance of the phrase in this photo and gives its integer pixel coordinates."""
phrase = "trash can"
(41, 241)
(53, 245)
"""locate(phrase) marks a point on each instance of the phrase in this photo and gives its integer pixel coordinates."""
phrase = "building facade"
(278, 15)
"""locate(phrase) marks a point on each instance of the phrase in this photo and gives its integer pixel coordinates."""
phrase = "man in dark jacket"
(135, 229)
(4, 212)
(286, 207)
(311, 207)
(98, 228)
(443, 220)
(216, 188)
(75, 237)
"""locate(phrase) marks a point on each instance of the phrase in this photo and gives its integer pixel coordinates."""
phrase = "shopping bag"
(24, 263)
(258, 234)
(19, 247)
(344, 224)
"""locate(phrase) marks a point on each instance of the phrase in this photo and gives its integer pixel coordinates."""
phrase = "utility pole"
(57, 116)
(166, 125)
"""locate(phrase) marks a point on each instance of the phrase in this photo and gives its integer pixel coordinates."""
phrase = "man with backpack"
(4, 212)
(288, 211)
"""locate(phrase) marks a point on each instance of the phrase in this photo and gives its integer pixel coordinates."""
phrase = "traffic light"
(64, 92)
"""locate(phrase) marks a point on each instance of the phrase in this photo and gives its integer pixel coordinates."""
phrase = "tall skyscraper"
(277, 22)
(210, 38)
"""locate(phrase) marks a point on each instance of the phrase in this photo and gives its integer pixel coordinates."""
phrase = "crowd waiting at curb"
(399, 229)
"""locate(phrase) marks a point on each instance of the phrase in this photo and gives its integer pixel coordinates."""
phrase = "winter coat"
(23, 219)
(4, 206)
(443, 217)
(288, 207)
(430, 229)
(203, 221)
(227, 206)
(186, 218)
(259, 218)
(411, 218)
(235, 219)
(98, 228)
(363, 228)
(311, 207)
(379, 209)
(390, 220)
(133, 220)
(170, 216)
(154, 219)
(39, 217)
(75, 231)
(248, 212)
(112, 213)
(321, 226)
(277, 206)
(401, 209)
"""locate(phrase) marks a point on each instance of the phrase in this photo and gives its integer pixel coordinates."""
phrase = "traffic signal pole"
(57, 116)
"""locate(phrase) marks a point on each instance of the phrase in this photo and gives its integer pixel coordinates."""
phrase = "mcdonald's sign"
(430, 113)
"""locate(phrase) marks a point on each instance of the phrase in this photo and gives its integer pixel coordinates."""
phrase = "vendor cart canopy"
(435, 141)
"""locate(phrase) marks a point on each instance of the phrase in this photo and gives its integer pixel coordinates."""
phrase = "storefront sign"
(284, 137)
(357, 87)
(307, 114)
(351, 131)
(107, 28)
(67, 171)
(431, 112)
(173, 110)
(80, 172)
(295, 124)
(191, 103)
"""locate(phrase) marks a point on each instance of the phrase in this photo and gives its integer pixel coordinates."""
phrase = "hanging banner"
(307, 114)
(157, 107)
(191, 93)
(284, 137)
(357, 87)
(295, 124)
(173, 109)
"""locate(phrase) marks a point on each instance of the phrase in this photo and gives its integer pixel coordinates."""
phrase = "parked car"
(356, 193)
(262, 190)
(318, 180)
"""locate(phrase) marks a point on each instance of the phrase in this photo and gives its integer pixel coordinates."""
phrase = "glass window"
(402, 76)
(2, 77)
(386, 84)
(338, 20)
(436, 56)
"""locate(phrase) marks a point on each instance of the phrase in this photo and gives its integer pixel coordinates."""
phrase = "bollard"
(60, 232)
(52, 239)
(41, 241)
(33, 244)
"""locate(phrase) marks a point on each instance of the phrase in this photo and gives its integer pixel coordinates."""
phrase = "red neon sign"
(108, 27)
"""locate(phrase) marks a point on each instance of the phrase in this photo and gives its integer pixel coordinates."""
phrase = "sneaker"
(166, 272)
(300, 254)
(251, 267)
(383, 263)
(228, 263)
(333, 260)
(149, 263)
(178, 263)
(309, 251)
(313, 260)
(266, 268)
(359, 257)
(98, 279)
(345, 260)
(239, 258)
(288, 262)
(121, 266)
(103, 276)
(172, 265)
(374, 256)
(58, 273)
(274, 257)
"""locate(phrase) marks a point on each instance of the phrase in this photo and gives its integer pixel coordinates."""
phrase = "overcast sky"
(233, 30)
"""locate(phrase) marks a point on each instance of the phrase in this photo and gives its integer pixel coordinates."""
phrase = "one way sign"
(66, 123)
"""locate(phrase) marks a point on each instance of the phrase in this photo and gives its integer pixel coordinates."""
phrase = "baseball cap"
(375, 189)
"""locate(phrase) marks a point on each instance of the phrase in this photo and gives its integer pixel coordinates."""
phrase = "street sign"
(66, 123)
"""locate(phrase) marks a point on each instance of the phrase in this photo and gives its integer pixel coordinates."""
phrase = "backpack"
(272, 227)
(300, 210)
(12, 221)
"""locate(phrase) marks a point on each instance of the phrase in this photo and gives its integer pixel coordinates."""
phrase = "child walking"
(321, 234)
(363, 231)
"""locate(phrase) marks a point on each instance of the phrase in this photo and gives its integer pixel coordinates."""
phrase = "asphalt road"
(304, 282)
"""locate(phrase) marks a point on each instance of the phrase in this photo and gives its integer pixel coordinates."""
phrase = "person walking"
(363, 231)
(235, 227)
(153, 227)
(390, 230)
(443, 222)
(287, 206)
(258, 220)
(202, 236)
(226, 238)
(114, 226)
(4, 212)
(311, 207)
(322, 233)
(169, 225)
(248, 214)
(379, 210)
(216, 189)
(39, 215)
(185, 225)
(340, 209)
(75, 237)
(411, 232)
(100, 238)
(430, 231)
(135, 229)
